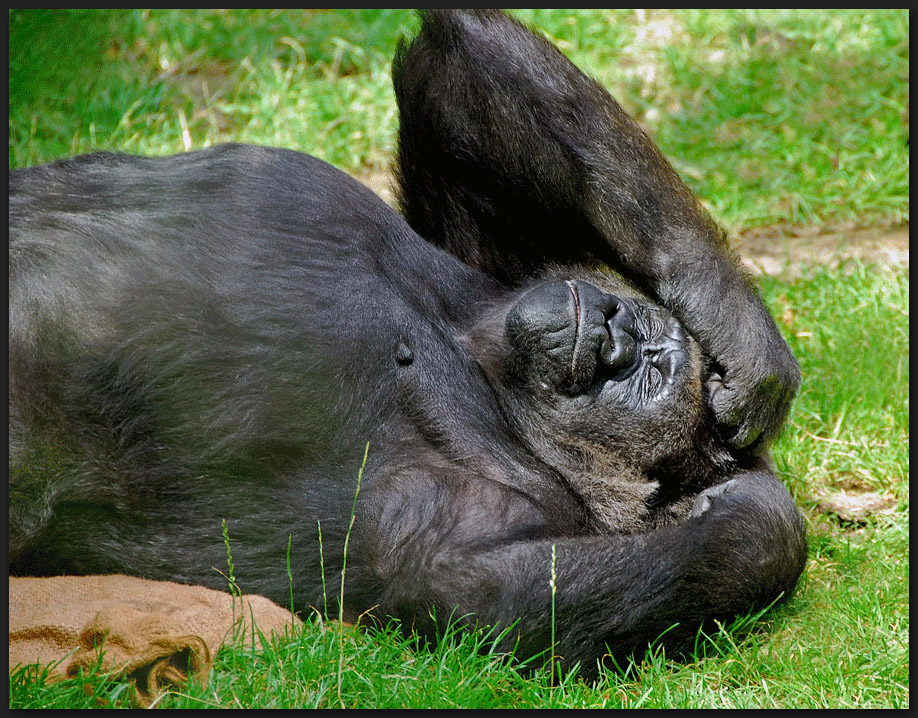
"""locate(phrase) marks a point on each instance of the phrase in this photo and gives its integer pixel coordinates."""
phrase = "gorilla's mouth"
(577, 350)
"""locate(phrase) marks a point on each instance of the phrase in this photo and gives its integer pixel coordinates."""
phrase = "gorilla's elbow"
(750, 528)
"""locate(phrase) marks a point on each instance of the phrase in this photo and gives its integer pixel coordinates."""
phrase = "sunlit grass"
(787, 117)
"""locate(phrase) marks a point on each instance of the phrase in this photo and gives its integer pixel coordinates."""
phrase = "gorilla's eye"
(654, 325)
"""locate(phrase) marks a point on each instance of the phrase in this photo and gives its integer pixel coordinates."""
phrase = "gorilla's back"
(226, 317)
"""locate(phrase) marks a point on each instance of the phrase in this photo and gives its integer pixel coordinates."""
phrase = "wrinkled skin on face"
(604, 365)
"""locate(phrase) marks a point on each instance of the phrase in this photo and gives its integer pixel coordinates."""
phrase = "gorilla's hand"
(753, 386)
(706, 498)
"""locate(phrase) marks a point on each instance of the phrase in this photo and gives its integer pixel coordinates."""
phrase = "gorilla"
(549, 360)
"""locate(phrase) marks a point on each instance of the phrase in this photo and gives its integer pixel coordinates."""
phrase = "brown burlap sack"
(157, 634)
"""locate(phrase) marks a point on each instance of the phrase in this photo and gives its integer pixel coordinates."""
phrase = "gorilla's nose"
(619, 350)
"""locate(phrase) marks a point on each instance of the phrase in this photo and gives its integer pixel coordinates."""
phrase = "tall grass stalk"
(347, 538)
(290, 572)
(553, 582)
(231, 578)
(322, 571)
(236, 592)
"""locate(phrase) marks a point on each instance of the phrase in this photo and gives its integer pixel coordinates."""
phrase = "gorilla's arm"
(512, 159)
(742, 548)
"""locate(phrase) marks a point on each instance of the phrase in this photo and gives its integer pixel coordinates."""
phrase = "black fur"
(502, 137)
(218, 335)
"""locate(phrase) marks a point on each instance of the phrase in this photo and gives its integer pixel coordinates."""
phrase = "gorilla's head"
(605, 386)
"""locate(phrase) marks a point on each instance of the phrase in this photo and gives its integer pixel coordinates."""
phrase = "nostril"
(622, 317)
(618, 350)
(609, 304)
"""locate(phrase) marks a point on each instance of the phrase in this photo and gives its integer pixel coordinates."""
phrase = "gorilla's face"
(600, 382)
(578, 339)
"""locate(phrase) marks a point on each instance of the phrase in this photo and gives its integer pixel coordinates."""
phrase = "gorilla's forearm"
(742, 547)
(501, 136)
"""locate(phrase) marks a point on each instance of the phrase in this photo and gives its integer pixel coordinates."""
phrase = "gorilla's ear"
(511, 158)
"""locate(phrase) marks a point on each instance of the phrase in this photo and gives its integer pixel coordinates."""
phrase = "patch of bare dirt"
(382, 184)
(777, 253)
(774, 251)
(856, 508)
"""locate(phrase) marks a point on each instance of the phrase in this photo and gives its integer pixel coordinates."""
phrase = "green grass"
(787, 119)
(159, 82)
(797, 118)
(850, 332)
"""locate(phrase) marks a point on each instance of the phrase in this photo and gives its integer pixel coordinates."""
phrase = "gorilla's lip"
(663, 348)
(583, 359)
(578, 321)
